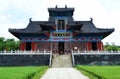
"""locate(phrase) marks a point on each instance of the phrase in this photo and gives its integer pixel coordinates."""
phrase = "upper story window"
(61, 24)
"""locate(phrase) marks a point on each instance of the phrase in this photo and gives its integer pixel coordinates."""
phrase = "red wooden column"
(34, 46)
(100, 46)
(22, 46)
(89, 46)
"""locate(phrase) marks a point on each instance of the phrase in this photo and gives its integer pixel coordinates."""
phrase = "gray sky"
(16, 14)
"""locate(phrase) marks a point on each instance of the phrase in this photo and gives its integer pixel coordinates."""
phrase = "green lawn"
(26, 72)
(101, 72)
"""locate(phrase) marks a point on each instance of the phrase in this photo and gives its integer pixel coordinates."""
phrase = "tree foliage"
(112, 47)
(8, 44)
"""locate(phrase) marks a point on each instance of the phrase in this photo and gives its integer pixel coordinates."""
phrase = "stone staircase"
(61, 61)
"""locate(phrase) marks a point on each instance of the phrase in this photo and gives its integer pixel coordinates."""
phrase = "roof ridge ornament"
(65, 6)
(91, 19)
(30, 20)
(56, 6)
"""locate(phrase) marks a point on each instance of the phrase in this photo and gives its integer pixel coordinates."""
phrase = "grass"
(27, 72)
(100, 72)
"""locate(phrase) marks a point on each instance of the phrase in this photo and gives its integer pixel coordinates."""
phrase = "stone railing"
(25, 58)
(95, 52)
(25, 52)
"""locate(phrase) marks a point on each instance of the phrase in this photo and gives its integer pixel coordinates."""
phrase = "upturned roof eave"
(18, 33)
(101, 33)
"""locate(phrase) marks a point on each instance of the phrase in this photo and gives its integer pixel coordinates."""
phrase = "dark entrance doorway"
(61, 47)
(94, 46)
(28, 46)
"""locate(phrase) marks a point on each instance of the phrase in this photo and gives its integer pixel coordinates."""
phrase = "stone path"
(63, 73)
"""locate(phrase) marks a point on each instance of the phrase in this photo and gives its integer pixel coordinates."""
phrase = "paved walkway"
(63, 73)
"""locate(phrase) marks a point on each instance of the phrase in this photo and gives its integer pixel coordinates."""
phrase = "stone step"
(61, 61)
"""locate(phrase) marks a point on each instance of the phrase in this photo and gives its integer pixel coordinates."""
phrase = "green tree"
(9, 44)
(2, 41)
(17, 46)
(112, 47)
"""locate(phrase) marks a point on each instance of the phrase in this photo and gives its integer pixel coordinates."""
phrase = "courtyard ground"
(63, 73)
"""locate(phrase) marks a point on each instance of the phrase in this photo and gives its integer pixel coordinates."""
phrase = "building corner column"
(22, 46)
(100, 46)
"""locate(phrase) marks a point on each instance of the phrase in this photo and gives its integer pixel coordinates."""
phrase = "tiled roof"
(89, 27)
(82, 27)
(34, 27)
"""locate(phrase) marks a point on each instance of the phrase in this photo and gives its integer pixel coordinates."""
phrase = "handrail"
(13, 51)
(50, 61)
(95, 51)
(18, 52)
(49, 51)
(73, 60)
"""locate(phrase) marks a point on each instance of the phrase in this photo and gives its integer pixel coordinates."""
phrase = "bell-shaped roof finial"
(91, 19)
(65, 6)
(30, 19)
(56, 6)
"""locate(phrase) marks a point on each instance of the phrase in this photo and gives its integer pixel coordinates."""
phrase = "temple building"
(61, 33)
